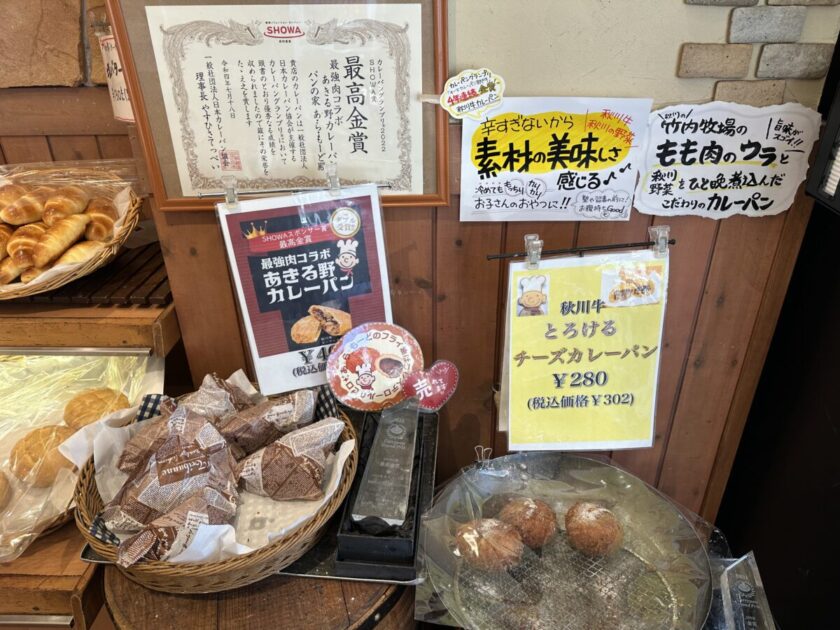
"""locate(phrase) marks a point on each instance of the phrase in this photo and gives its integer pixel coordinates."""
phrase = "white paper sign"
(553, 159)
(272, 94)
(120, 101)
(721, 159)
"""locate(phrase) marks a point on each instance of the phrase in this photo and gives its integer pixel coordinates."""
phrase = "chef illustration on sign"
(347, 258)
(533, 298)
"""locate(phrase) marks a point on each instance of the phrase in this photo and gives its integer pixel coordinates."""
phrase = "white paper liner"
(35, 390)
(261, 520)
(122, 202)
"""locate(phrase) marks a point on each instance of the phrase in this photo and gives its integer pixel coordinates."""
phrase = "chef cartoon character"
(361, 362)
(347, 258)
(532, 298)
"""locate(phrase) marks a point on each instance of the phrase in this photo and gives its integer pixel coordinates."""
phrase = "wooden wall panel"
(466, 321)
(65, 148)
(197, 269)
(689, 263)
(793, 231)
(22, 149)
(728, 280)
(741, 263)
(409, 238)
(114, 147)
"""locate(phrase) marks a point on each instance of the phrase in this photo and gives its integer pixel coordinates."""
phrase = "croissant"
(67, 200)
(58, 238)
(80, 252)
(28, 275)
(21, 246)
(8, 271)
(6, 232)
(10, 193)
(103, 215)
(28, 208)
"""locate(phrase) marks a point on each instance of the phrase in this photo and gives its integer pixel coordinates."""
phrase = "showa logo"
(283, 30)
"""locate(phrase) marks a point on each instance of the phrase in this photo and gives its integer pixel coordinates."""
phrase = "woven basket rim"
(132, 218)
(86, 488)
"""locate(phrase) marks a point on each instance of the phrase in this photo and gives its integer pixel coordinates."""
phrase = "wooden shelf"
(93, 326)
(50, 579)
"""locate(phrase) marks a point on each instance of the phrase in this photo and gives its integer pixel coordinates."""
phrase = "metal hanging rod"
(580, 250)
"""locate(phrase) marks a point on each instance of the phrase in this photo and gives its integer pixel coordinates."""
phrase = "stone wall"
(49, 43)
(763, 51)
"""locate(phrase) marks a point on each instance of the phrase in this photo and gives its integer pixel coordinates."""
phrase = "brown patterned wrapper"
(216, 400)
(193, 456)
(257, 426)
(170, 533)
(293, 466)
(143, 444)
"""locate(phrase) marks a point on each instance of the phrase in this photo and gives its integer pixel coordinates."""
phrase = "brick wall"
(50, 43)
(763, 51)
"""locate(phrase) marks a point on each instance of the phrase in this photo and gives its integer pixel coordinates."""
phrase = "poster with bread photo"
(307, 268)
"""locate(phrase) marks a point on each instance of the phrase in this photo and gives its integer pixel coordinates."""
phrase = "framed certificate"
(273, 93)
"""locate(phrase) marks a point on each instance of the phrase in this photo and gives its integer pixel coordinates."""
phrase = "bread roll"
(8, 271)
(10, 193)
(28, 275)
(593, 530)
(91, 405)
(5, 491)
(58, 238)
(21, 247)
(65, 201)
(6, 232)
(489, 545)
(28, 208)
(103, 214)
(36, 459)
(535, 521)
(80, 252)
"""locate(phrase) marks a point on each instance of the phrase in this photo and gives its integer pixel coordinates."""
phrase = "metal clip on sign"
(231, 198)
(483, 454)
(333, 183)
(533, 250)
(661, 236)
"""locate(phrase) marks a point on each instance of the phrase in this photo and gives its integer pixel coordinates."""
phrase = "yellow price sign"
(584, 346)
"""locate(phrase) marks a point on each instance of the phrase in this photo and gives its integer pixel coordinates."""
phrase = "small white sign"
(472, 93)
(120, 101)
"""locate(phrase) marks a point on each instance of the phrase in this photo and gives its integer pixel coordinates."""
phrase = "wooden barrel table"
(276, 602)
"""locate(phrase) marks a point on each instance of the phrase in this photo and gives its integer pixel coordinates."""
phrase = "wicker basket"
(212, 577)
(132, 217)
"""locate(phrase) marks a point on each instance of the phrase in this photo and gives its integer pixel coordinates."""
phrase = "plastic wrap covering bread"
(550, 540)
(51, 409)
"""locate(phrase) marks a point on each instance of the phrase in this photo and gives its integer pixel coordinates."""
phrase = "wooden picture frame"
(130, 27)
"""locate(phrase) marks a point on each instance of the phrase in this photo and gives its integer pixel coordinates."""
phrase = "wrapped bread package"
(219, 400)
(54, 407)
(253, 428)
(293, 466)
(170, 533)
(192, 458)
